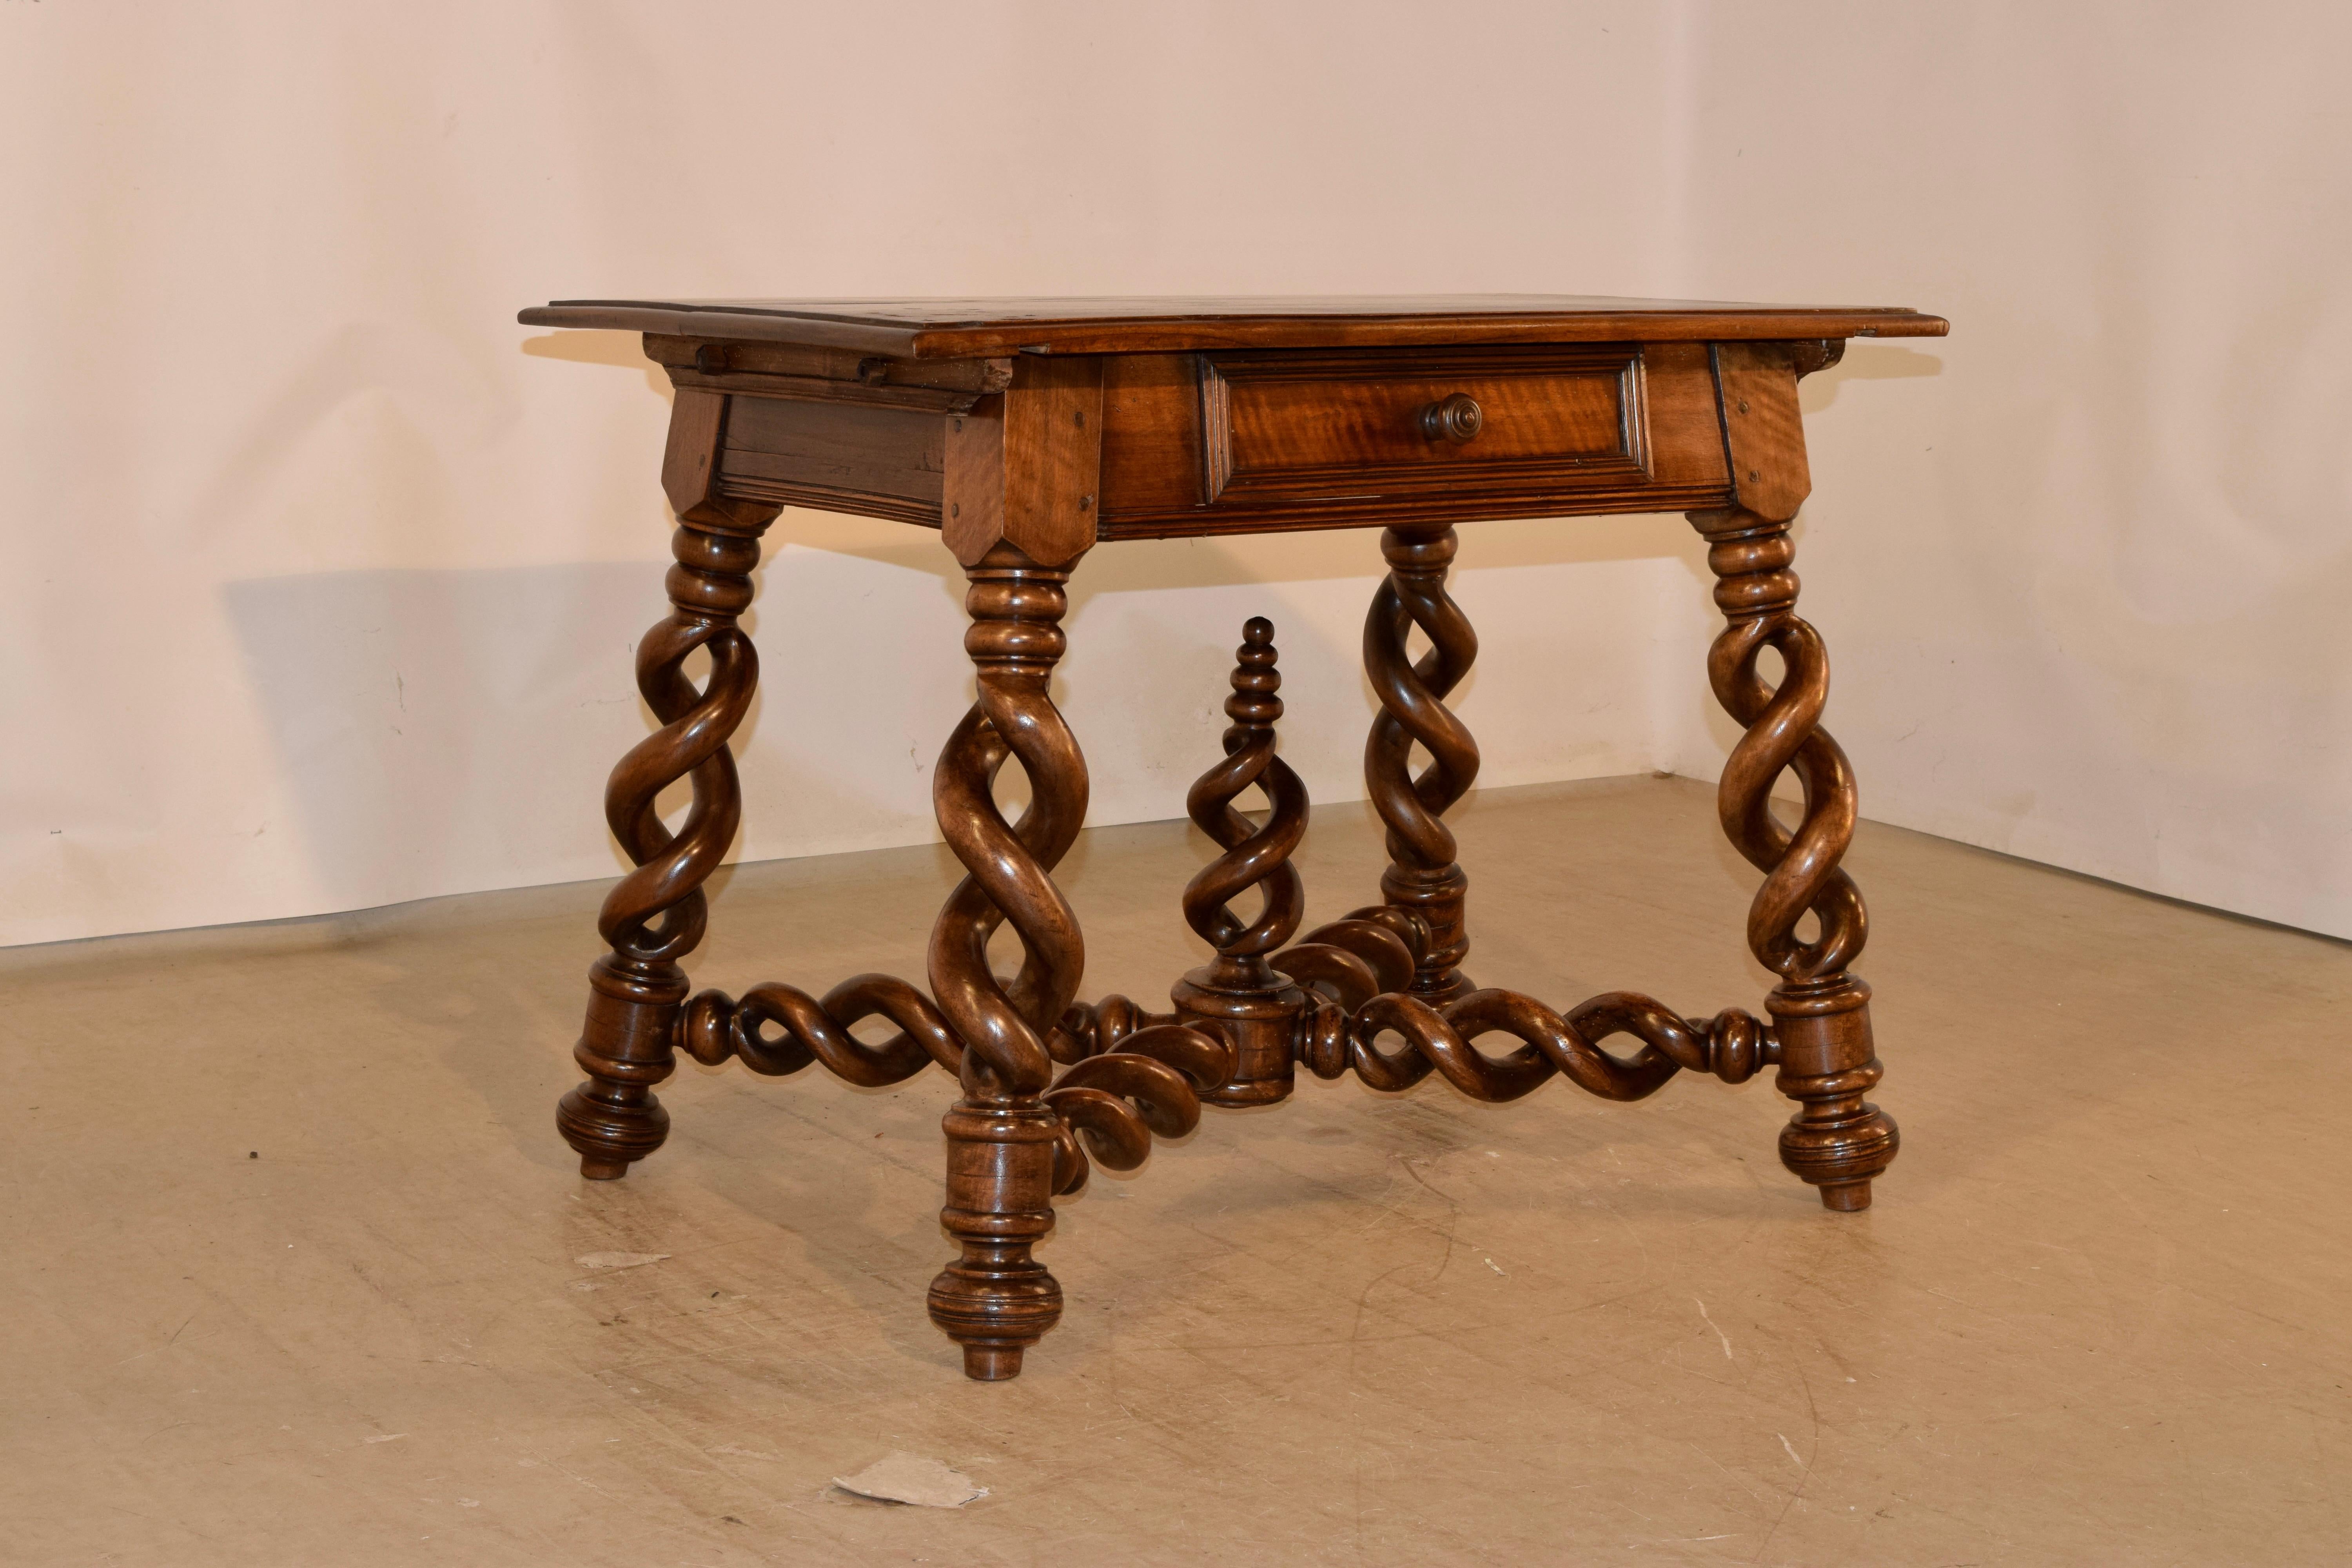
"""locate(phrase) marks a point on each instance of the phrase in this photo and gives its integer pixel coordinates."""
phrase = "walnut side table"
(1026, 431)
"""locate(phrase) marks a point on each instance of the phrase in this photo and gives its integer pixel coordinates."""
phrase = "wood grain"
(1820, 1009)
(878, 461)
(1316, 427)
(1763, 432)
(954, 328)
(1160, 461)
(656, 915)
(690, 459)
(996, 420)
(1024, 467)
(828, 376)
(710, 355)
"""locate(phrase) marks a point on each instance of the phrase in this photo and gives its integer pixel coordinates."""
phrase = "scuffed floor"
(295, 1260)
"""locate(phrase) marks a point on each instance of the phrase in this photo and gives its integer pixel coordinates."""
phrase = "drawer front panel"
(1308, 427)
(1169, 439)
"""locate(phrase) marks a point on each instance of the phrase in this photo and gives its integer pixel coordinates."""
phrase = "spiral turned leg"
(1239, 995)
(656, 915)
(1837, 1140)
(1422, 878)
(995, 1299)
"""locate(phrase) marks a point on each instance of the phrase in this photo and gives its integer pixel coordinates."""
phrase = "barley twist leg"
(656, 915)
(1837, 1140)
(996, 1299)
(1422, 877)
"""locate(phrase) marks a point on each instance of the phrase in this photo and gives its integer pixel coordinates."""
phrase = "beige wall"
(321, 576)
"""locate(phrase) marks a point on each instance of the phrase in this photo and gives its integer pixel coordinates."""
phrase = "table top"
(956, 329)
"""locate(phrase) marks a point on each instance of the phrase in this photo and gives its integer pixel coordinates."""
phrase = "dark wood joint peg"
(1454, 418)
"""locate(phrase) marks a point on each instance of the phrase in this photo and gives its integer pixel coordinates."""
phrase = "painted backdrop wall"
(322, 577)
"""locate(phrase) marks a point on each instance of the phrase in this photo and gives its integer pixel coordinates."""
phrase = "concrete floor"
(293, 1250)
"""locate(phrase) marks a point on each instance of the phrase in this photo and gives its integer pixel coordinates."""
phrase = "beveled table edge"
(1178, 331)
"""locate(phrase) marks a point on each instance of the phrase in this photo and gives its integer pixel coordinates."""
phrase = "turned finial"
(1254, 856)
(1237, 994)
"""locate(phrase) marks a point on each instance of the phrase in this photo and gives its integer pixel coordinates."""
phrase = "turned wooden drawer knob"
(1454, 418)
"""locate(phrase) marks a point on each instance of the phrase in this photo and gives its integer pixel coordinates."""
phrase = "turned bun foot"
(1837, 1140)
(995, 1313)
(996, 1301)
(614, 1119)
(1841, 1154)
(611, 1127)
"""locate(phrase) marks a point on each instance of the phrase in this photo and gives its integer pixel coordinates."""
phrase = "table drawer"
(1305, 427)
(1247, 441)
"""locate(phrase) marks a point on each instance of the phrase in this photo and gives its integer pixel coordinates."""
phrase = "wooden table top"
(962, 329)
